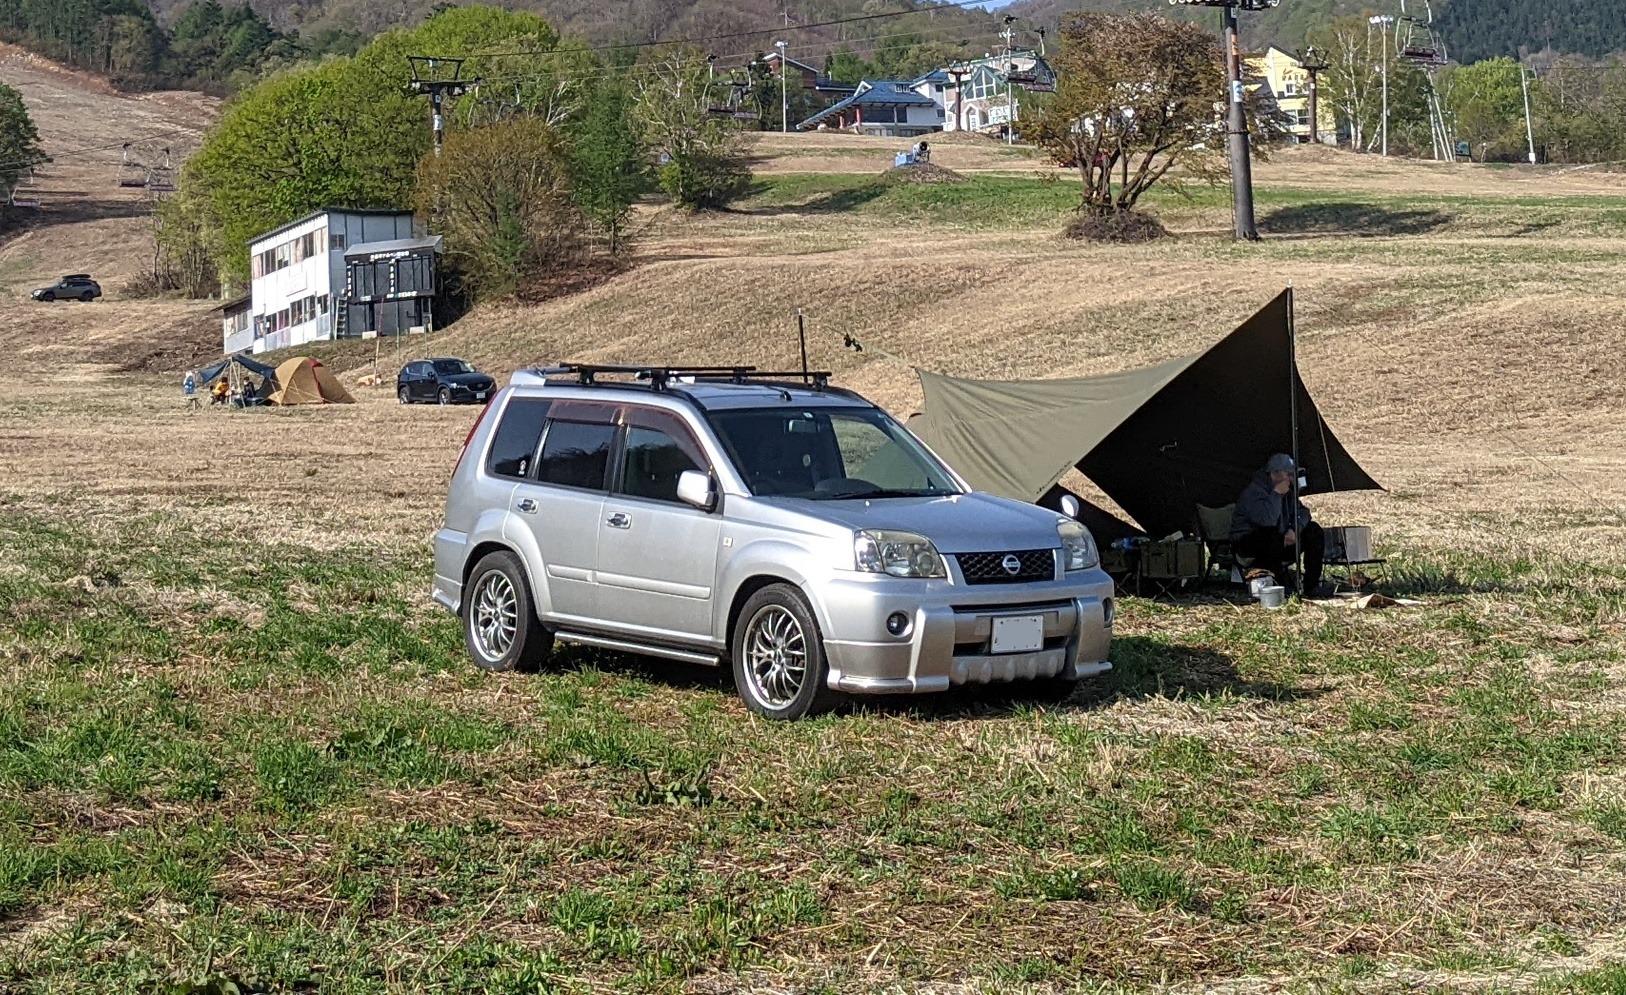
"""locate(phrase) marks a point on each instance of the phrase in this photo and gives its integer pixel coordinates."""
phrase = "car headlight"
(1077, 546)
(901, 554)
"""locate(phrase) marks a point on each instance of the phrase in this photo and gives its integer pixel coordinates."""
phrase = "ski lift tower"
(439, 78)
(1236, 120)
(1416, 42)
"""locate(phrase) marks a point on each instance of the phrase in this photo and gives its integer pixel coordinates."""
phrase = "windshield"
(452, 366)
(829, 453)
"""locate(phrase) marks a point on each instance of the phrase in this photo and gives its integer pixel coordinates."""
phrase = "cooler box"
(1349, 543)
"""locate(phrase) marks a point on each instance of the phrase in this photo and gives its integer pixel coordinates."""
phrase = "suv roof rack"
(659, 377)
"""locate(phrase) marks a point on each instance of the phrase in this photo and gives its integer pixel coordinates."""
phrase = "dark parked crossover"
(448, 381)
(73, 287)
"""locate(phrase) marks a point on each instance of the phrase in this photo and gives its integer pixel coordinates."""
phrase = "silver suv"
(771, 521)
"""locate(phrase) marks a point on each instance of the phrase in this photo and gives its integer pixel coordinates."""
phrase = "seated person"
(220, 390)
(1265, 530)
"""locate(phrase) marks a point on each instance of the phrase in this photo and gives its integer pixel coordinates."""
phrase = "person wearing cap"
(1266, 529)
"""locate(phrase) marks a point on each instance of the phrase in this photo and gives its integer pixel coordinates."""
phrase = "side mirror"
(1070, 506)
(694, 487)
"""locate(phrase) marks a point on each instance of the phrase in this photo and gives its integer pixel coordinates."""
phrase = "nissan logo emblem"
(1012, 565)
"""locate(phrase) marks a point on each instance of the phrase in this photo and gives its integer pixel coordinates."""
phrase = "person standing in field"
(189, 390)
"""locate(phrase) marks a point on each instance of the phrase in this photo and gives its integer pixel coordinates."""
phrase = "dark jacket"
(1260, 507)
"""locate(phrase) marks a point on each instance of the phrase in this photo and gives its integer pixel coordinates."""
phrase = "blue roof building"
(895, 108)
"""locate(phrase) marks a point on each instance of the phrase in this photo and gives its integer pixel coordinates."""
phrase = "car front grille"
(992, 568)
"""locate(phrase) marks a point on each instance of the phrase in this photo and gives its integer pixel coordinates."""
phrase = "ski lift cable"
(777, 29)
(50, 157)
(859, 46)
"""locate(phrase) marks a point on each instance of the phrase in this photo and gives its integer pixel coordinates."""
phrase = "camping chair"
(1214, 526)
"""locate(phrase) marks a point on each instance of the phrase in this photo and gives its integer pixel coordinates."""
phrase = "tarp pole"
(1293, 419)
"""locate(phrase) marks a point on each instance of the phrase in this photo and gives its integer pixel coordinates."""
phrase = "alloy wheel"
(494, 619)
(776, 656)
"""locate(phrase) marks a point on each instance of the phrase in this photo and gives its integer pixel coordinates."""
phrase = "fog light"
(897, 623)
(1108, 609)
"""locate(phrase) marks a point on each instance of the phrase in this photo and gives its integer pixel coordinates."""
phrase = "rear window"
(513, 448)
(576, 454)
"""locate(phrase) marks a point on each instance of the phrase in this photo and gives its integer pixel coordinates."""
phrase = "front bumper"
(947, 642)
(464, 394)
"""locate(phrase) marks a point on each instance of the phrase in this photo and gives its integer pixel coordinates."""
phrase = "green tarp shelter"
(1158, 441)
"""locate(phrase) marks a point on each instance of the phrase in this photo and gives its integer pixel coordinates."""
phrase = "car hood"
(961, 523)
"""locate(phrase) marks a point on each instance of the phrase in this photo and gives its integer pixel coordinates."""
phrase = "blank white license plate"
(480, 395)
(1018, 634)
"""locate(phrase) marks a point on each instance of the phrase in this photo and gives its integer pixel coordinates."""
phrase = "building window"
(1290, 89)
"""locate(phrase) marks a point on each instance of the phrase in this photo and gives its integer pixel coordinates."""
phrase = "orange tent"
(303, 380)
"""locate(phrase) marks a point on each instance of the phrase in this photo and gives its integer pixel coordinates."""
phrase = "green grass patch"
(291, 777)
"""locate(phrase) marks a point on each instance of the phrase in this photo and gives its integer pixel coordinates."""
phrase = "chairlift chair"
(131, 174)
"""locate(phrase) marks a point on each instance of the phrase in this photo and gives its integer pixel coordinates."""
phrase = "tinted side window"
(576, 454)
(652, 462)
(514, 445)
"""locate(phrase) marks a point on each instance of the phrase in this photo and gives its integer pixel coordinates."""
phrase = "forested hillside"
(207, 47)
(615, 21)
(1286, 25)
(1472, 29)
(1480, 29)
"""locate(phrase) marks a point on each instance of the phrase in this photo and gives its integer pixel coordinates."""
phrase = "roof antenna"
(801, 335)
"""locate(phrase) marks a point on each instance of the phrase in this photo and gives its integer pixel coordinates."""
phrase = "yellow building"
(1290, 85)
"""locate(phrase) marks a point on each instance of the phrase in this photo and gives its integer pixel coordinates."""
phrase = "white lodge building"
(300, 287)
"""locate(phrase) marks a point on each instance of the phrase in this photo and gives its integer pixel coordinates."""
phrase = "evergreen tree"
(609, 161)
(19, 142)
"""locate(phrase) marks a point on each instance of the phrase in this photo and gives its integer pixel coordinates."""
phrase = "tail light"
(484, 410)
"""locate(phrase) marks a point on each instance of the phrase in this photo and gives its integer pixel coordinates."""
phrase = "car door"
(562, 500)
(423, 381)
(657, 556)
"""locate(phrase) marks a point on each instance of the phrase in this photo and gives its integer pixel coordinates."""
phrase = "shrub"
(500, 195)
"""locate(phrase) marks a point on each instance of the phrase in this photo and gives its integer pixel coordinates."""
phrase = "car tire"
(776, 630)
(401, 393)
(500, 627)
(445, 396)
(87, 297)
(48, 297)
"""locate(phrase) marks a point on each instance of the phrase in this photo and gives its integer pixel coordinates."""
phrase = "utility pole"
(1236, 118)
(1383, 21)
(1529, 129)
(959, 75)
(1311, 61)
(1010, 88)
(784, 94)
(428, 78)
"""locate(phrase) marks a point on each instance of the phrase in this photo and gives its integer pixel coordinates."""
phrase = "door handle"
(527, 505)
(619, 520)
